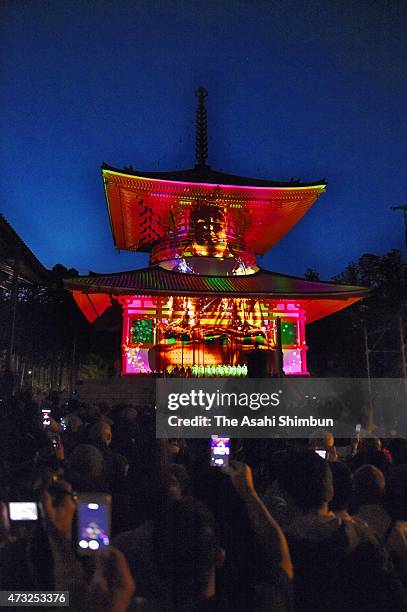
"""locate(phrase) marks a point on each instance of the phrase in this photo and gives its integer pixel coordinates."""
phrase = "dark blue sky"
(303, 89)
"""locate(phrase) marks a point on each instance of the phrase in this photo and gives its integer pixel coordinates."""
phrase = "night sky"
(308, 90)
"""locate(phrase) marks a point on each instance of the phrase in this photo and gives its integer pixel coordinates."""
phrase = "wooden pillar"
(280, 354)
(125, 334)
(302, 342)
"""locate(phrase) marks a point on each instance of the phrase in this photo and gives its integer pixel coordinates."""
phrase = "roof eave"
(211, 177)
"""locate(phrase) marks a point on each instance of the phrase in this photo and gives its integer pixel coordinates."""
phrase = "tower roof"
(145, 207)
(319, 299)
(203, 174)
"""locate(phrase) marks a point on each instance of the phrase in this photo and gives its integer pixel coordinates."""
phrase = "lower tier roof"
(318, 299)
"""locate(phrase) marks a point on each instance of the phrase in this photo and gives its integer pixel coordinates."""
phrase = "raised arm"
(264, 525)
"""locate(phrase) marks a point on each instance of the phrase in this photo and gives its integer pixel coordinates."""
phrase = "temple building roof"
(145, 209)
(13, 249)
(318, 298)
(206, 174)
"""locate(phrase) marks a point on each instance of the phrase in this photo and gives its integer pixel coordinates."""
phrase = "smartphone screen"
(321, 453)
(220, 451)
(23, 511)
(358, 428)
(53, 438)
(93, 522)
(46, 417)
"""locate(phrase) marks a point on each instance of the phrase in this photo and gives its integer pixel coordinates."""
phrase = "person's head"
(59, 506)
(181, 476)
(329, 440)
(397, 493)
(342, 485)
(73, 422)
(306, 480)
(101, 432)
(371, 444)
(369, 485)
(186, 551)
(322, 439)
(85, 468)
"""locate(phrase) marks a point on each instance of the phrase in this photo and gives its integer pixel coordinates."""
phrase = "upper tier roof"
(146, 207)
(206, 174)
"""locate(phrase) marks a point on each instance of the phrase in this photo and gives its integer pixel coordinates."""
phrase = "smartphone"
(93, 522)
(23, 511)
(46, 414)
(54, 438)
(321, 453)
(220, 451)
(358, 428)
(63, 424)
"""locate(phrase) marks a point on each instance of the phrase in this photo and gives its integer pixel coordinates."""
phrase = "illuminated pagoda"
(203, 302)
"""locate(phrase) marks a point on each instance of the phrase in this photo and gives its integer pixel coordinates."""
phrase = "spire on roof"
(201, 143)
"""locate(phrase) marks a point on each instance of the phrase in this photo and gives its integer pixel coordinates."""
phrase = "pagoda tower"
(203, 302)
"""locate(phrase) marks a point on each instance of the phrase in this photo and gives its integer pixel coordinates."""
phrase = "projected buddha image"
(208, 231)
(207, 243)
(210, 332)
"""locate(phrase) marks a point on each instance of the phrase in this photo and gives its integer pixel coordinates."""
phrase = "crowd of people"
(297, 530)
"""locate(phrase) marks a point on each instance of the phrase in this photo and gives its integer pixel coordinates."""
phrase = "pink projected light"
(210, 186)
(292, 361)
(135, 360)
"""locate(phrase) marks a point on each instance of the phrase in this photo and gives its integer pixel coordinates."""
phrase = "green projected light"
(142, 331)
(288, 333)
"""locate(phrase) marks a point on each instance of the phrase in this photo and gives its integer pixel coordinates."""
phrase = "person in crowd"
(86, 469)
(342, 489)
(274, 591)
(100, 435)
(371, 452)
(257, 363)
(185, 531)
(5, 533)
(46, 561)
(336, 564)
(397, 493)
(273, 496)
(372, 507)
(198, 538)
(324, 440)
(368, 500)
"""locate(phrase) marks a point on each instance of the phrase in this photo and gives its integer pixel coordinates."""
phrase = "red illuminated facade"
(203, 302)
